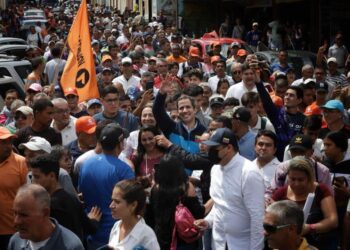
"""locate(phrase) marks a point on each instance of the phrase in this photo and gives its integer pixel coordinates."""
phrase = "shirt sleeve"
(254, 200)
(165, 123)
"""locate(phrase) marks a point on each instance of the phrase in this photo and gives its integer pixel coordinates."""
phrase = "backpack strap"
(263, 122)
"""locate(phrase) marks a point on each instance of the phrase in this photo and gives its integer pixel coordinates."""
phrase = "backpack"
(263, 123)
(184, 227)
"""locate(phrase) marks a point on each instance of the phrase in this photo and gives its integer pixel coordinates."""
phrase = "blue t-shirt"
(98, 176)
(124, 119)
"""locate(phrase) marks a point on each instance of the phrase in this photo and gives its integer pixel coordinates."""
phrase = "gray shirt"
(61, 239)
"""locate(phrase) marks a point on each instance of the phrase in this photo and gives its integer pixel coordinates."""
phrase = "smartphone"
(149, 85)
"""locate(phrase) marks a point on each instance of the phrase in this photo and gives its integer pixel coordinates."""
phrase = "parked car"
(11, 40)
(13, 74)
(33, 22)
(296, 58)
(18, 50)
(34, 14)
(205, 44)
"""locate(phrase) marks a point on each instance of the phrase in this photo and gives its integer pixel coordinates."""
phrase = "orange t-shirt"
(13, 174)
(179, 60)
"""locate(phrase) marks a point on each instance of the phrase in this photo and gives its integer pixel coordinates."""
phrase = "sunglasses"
(236, 72)
(22, 117)
(273, 229)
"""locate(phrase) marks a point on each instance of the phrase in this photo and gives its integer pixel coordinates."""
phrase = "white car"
(34, 14)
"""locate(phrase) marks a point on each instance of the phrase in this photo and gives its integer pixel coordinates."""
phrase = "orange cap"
(5, 133)
(106, 57)
(277, 101)
(71, 91)
(313, 109)
(215, 59)
(241, 52)
(194, 52)
(85, 124)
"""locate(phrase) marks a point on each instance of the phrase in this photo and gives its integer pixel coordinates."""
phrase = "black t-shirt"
(50, 134)
(80, 114)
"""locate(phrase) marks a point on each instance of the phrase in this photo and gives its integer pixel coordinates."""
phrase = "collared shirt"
(61, 238)
(140, 235)
(237, 190)
(268, 171)
(13, 172)
(133, 81)
(238, 90)
(68, 133)
(213, 82)
(246, 145)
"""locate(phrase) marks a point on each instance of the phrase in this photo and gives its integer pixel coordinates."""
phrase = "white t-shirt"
(238, 90)
(38, 245)
(132, 82)
(140, 235)
(213, 82)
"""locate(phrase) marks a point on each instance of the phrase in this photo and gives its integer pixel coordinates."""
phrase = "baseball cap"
(309, 81)
(194, 52)
(321, 86)
(106, 57)
(334, 104)
(214, 59)
(36, 87)
(216, 101)
(126, 60)
(71, 91)
(255, 24)
(36, 143)
(241, 52)
(242, 114)
(25, 110)
(313, 110)
(5, 133)
(237, 44)
(85, 124)
(222, 136)
(95, 42)
(153, 58)
(300, 141)
(106, 69)
(331, 59)
(92, 102)
(111, 135)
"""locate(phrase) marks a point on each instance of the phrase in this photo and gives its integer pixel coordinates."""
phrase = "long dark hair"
(171, 185)
(141, 151)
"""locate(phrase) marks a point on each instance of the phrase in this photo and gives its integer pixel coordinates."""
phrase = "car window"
(23, 71)
(10, 85)
(20, 53)
(4, 72)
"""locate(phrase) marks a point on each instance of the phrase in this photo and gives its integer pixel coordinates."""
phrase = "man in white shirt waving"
(237, 189)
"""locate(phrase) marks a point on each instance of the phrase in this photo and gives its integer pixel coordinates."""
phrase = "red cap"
(71, 91)
(194, 52)
(5, 133)
(313, 109)
(85, 124)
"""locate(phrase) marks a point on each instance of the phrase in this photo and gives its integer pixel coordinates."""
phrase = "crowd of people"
(179, 151)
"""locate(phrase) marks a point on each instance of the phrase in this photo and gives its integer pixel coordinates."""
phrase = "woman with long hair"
(321, 222)
(171, 187)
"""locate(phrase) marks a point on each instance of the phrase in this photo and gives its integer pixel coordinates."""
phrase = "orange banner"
(79, 71)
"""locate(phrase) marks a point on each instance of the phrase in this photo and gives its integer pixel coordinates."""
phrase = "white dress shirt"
(213, 82)
(140, 235)
(237, 190)
(238, 90)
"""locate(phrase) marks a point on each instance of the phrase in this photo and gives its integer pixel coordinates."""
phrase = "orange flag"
(79, 71)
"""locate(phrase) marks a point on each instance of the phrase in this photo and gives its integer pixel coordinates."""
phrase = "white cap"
(126, 60)
(37, 143)
(332, 59)
(25, 110)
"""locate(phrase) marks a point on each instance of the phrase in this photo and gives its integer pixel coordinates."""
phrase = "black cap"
(216, 101)
(300, 141)
(111, 135)
(321, 86)
(222, 136)
(242, 114)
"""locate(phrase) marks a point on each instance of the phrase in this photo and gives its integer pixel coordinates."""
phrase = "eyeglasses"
(236, 72)
(273, 229)
(22, 117)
